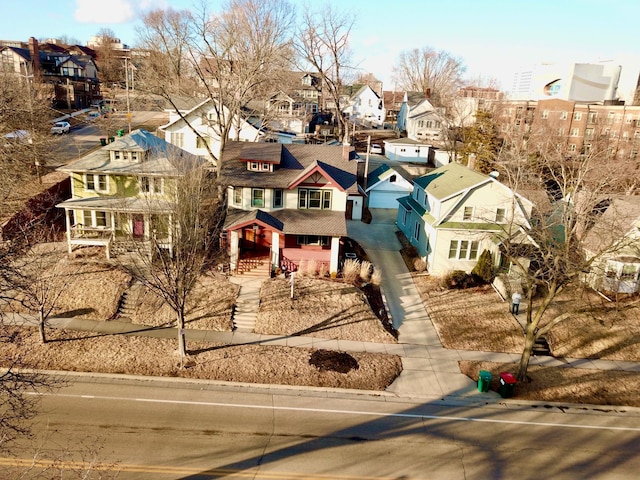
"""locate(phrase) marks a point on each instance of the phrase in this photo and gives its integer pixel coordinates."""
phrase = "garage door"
(385, 199)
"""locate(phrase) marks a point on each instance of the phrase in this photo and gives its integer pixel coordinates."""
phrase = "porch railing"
(80, 231)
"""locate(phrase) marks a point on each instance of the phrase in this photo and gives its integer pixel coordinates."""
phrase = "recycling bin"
(121, 132)
(103, 141)
(112, 139)
(507, 384)
(484, 380)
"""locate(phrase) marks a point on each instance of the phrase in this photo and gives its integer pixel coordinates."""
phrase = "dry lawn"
(124, 354)
(210, 306)
(320, 308)
(93, 288)
(572, 385)
(478, 319)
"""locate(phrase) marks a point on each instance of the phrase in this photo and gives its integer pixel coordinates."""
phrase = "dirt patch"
(327, 360)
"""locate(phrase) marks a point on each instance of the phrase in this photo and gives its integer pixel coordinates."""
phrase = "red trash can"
(507, 384)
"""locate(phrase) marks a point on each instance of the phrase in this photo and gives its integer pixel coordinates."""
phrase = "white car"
(375, 148)
(59, 128)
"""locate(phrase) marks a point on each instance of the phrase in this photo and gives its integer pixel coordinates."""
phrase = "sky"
(493, 38)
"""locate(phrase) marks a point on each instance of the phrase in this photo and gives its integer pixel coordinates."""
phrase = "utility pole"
(366, 163)
(126, 86)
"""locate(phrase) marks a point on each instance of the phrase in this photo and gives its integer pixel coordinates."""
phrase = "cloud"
(104, 11)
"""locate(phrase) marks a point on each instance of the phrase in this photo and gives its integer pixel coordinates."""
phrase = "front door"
(349, 211)
(138, 226)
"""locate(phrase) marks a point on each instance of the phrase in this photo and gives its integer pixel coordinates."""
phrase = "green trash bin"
(112, 139)
(121, 132)
(484, 380)
(507, 384)
(103, 141)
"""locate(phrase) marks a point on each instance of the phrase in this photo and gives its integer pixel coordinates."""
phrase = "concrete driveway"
(428, 369)
(405, 305)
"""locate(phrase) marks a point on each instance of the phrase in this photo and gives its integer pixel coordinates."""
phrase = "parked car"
(18, 137)
(92, 116)
(376, 148)
(59, 128)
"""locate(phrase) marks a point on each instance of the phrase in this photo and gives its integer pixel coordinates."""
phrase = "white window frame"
(467, 214)
(501, 215)
(253, 197)
(323, 201)
(177, 139)
(463, 249)
(92, 182)
(275, 203)
(237, 195)
(151, 185)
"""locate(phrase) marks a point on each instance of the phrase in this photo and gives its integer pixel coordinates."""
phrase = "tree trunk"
(182, 343)
(529, 341)
(41, 321)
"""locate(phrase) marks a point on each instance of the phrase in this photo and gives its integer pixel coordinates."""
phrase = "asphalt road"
(194, 430)
(85, 136)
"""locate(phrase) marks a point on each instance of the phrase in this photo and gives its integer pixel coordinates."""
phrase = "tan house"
(455, 213)
(288, 204)
(614, 244)
(123, 194)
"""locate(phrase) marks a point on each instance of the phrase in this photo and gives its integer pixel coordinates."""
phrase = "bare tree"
(18, 388)
(322, 44)
(428, 70)
(108, 59)
(35, 278)
(184, 241)
(26, 139)
(552, 251)
(229, 58)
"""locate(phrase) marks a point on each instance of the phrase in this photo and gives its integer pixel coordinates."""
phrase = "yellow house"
(455, 213)
(124, 193)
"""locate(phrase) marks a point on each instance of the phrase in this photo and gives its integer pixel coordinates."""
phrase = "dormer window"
(260, 167)
(117, 155)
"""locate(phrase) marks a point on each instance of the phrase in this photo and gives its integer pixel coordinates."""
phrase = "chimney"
(34, 51)
(346, 146)
(471, 162)
(427, 93)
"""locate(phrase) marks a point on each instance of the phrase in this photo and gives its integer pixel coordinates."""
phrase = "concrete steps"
(129, 302)
(247, 304)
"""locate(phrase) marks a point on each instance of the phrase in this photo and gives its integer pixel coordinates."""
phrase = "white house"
(365, 108)
(204, 119)
(614, 241)
(455, 213)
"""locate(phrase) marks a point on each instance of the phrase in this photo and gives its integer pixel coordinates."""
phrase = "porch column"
(233, 250)
(68, 224)
(275, 250)
(335, 250)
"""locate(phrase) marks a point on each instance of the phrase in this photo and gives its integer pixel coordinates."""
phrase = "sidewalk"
(430, 372)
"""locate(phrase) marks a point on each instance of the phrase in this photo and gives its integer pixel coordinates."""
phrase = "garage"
(382, 199)
(385, 186)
